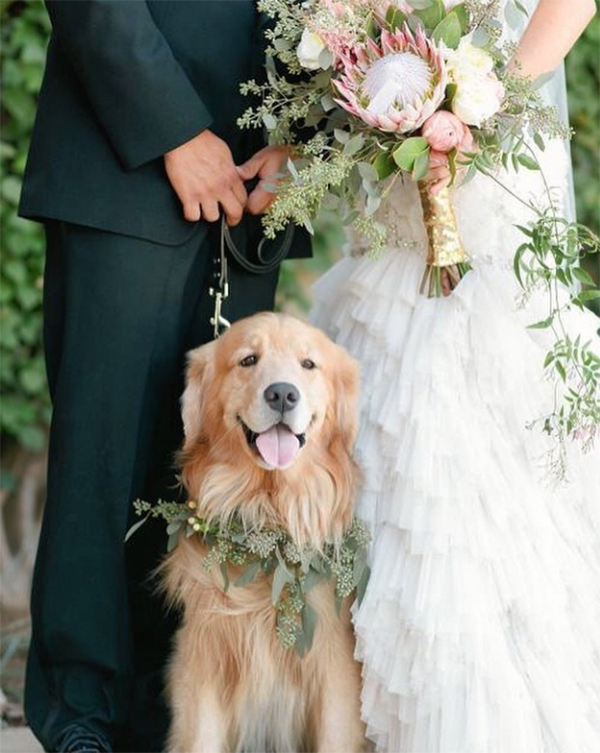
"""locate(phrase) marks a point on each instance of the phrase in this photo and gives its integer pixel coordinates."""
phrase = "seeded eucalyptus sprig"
(294, 569)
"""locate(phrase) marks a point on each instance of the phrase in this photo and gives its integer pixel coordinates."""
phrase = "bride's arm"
(553, 29)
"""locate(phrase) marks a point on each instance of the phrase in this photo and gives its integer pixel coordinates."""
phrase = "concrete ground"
(18, 740)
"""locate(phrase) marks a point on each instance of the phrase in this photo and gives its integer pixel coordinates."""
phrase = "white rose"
(477, 99)
(468, 61)
(310, 47)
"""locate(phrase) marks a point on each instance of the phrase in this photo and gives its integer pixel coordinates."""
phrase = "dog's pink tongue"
(278, 446)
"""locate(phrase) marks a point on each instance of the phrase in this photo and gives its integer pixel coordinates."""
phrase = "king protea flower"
(396, 85)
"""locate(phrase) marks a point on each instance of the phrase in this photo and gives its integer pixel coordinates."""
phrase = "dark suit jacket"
(126, 81)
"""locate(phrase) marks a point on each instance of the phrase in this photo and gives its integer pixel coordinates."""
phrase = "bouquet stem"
(445, 248)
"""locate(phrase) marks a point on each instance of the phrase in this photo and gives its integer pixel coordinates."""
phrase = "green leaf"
(174, 527)
(451, 90)
(525, 230)
(395, 18)
(248, 574)
(281, 577)
(135, 527)
(367, 172)
(360, 563)
(561, 370)
(421, 166)
(384, 165)
(362, 585)
(420, 4)
(225, 575)
(452, 155)
(354, 145)
(309, 625)
(448, 31)
(544, 324)
(529, 162)
(548, 360)
(583, 276)
(589, 295)
(517, 262)
(313, 578)
(406, 154)
(463, 16)
(432, 15)
(539, 141)
(522, 8)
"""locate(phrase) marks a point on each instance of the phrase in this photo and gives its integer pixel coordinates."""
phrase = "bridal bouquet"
(370, 91)
(391, 88)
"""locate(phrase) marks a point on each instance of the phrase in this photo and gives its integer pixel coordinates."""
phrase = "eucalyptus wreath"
(295, 569)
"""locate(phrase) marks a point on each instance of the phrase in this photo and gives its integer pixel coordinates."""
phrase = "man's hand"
(265, 165)
(204, 176)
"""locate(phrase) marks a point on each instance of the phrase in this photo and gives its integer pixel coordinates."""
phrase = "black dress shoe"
(78, 739)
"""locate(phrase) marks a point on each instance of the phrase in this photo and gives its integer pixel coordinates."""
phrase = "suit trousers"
(120, 315)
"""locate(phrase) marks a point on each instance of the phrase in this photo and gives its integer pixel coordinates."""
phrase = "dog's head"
(273, 398)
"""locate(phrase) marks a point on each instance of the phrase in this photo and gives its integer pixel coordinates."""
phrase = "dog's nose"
(282, 396)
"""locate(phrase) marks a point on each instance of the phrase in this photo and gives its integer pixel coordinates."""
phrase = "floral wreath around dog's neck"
(271, 551)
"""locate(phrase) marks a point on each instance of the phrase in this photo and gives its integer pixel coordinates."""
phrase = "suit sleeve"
(137, 89)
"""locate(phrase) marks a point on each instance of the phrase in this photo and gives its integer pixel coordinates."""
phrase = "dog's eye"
(250, 360)
(308, 364)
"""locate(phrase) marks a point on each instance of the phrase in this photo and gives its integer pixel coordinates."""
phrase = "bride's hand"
(439, 175)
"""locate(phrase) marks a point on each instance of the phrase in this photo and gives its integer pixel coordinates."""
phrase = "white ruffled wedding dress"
(480, 628)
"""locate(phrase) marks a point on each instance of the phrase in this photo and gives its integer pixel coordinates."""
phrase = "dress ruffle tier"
(480, 629)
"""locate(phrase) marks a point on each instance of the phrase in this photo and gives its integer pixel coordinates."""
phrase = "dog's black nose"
(282, 396)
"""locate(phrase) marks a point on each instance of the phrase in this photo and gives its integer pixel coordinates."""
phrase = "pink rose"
(443, 131)
(467, 142)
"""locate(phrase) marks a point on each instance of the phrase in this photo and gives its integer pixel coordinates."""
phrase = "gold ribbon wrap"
(445, 247)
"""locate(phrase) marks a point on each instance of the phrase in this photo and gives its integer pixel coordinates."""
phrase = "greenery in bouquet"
(371, 91)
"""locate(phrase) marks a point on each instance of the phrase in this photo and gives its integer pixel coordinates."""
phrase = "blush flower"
(443, 131)
(393, 86)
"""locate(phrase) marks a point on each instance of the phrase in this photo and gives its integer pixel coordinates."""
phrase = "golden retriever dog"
(270, 417)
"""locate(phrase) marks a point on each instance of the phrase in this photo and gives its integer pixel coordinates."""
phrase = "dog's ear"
(346, 385)
(200, 367)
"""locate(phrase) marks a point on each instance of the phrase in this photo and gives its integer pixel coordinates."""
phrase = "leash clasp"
(219, 322)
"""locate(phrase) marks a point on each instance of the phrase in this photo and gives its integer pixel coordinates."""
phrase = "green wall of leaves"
(24, 33)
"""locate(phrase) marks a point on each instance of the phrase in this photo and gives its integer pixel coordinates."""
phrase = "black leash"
(220, 290)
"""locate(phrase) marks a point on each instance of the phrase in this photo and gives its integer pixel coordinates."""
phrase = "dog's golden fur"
(232, 685)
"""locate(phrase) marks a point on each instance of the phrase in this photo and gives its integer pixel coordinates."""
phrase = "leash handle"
(264, 266)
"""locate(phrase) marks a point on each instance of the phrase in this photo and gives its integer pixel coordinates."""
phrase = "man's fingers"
(210, 210)
(239, 190)
(191, 211)
(233, 208)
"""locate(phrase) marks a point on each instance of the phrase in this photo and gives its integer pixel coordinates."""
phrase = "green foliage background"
(24, 34)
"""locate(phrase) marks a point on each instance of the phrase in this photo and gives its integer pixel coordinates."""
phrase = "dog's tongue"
(278, 446)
